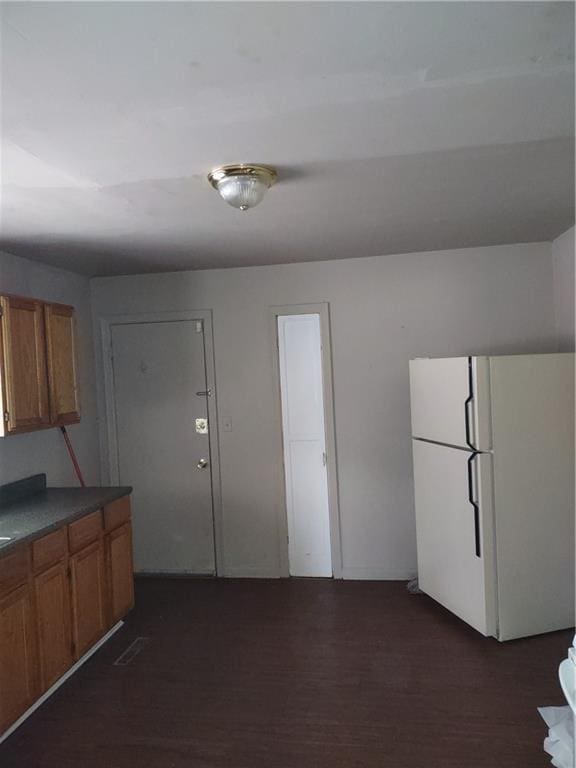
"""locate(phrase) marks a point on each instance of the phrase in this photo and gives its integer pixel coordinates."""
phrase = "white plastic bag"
(559, 743)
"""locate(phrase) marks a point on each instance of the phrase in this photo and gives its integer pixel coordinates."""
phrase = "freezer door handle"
(467, 403)
(474, 503)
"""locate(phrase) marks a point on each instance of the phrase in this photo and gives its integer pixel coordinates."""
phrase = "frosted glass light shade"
(242, 192)
(242, 186)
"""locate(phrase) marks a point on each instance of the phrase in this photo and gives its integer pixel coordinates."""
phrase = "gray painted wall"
(44, 451)
(563, 256)
(384, 310)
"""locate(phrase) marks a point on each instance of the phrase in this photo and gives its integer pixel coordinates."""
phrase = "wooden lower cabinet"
(58, 596)
(52, 602)
(120, 573)
(88, 583)
(19, 686)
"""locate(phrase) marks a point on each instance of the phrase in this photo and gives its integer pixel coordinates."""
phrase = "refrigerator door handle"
(474, 503)
(467, 403)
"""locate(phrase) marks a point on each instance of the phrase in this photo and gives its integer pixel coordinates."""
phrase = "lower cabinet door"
(120, 572)
(88, 584)
(18, 656)
(52, 597)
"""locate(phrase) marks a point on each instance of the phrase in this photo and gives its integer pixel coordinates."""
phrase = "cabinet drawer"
(13, 570)
(84, 531)
(49, 549)
(117, 513)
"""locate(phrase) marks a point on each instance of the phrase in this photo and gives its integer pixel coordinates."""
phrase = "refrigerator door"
(450, 401)
(455, 549)
(533, 413)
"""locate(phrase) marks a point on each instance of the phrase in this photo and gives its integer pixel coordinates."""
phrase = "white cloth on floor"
(559, 743)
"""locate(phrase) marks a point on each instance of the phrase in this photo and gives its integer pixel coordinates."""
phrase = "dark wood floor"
(297, 674)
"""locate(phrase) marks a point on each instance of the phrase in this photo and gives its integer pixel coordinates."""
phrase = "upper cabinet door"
(23, 370)
(62, 367)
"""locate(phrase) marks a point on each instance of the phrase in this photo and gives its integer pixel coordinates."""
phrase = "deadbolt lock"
(202, 426)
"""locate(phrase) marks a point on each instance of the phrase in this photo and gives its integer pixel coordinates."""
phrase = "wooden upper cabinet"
(38, 367)
(23, 376)
(62, 372)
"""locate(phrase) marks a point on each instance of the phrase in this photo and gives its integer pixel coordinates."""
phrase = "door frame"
(322, 309)
(109, 445)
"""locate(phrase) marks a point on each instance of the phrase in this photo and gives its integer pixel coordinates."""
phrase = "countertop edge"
(109, 494)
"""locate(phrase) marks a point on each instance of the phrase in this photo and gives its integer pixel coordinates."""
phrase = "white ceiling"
(395, 127)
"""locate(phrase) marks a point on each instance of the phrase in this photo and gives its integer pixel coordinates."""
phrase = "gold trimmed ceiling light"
(242, 185)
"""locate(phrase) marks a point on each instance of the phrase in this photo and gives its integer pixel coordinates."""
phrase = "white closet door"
(300, 355)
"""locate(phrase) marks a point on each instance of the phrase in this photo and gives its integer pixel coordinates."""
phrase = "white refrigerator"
(493, 447)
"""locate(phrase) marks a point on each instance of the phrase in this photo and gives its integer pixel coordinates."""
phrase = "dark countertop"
(31, 516)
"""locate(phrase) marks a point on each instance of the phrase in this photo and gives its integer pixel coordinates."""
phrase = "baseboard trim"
(351, 573)
(172, 575)
(251, 573)
(354, 573)
(46, 695)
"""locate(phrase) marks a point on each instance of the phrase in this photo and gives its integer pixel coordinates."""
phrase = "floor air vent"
(131, 652)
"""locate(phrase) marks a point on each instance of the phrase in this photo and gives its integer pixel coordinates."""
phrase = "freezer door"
(455, 550)
(450, 401)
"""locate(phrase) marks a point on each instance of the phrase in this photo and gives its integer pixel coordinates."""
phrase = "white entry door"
(159, 368)
(300, 353)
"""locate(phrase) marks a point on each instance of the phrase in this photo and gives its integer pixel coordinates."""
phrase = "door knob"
(202, 464)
